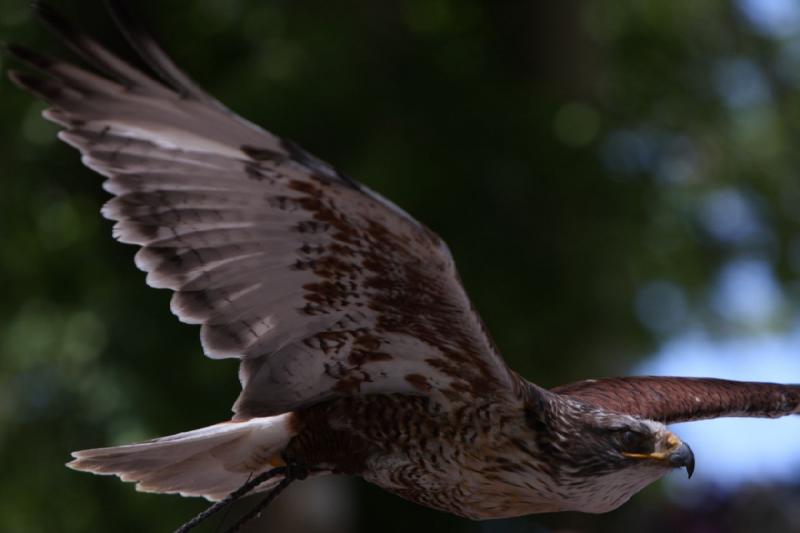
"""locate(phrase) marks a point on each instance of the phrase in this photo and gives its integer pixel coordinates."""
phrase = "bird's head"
(599, 458)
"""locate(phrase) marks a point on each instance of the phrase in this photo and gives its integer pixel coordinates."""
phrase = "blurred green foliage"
(566, 151)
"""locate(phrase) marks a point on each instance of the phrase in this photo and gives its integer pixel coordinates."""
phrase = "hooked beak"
(678, 455)
(683, 457)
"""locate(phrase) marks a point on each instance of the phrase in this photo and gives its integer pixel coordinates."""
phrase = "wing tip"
(44, 88)
(28, 56)
(52, 18)
(139, 37)
(123, 16)
(219, 342)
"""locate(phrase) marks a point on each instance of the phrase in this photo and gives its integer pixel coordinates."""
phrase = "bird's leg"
(291, 472)
(294, 472)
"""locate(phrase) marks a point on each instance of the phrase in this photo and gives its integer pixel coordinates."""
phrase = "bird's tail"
(210, 462)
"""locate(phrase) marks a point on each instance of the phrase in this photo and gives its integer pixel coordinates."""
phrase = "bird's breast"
(442, 458)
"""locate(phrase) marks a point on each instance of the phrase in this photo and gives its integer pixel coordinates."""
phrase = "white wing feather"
(319, 285)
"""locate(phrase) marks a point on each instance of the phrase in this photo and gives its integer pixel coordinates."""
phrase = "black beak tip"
(683, 457)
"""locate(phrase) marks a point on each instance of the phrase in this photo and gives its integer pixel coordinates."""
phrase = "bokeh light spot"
(741, 83)
(746, 292)
(661, 306)
(776, 18)
(729, 216)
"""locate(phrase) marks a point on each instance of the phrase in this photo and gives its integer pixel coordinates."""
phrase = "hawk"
(360, 352)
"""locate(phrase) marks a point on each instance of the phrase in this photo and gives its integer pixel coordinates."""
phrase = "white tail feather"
(210, 462)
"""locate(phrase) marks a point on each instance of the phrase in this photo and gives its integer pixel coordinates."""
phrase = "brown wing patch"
(419, 382)
(397, 308)
(675, 399)
(320, 286)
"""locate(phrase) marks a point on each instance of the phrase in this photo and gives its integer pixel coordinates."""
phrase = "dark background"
(566, 151)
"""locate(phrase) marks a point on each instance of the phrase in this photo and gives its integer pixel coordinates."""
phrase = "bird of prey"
(360, 352)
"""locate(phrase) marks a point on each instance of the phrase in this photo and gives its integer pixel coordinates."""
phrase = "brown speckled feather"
(675, 399)
(320, 286)
(360, 351)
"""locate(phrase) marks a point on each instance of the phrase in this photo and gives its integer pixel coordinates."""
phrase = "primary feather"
(283, 261)
(360, 350)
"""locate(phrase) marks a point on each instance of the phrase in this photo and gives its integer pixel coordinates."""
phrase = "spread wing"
(671, 399)
(320, 286)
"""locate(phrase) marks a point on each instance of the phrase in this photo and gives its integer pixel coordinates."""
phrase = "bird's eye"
(635, 442)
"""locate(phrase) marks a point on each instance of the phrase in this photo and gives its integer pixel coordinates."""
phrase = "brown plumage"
(672, 400)
(360, 351)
